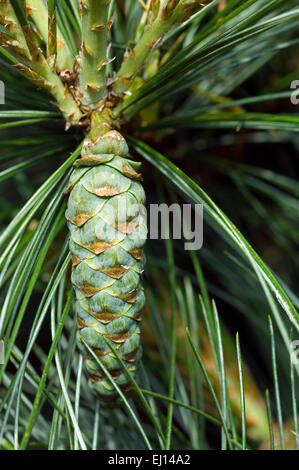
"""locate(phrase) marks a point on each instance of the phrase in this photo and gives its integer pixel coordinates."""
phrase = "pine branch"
(94, 15)
(14, 40)
(32, 63)
(38, 12)
(173, 13)
(52, 82)
(52, 34)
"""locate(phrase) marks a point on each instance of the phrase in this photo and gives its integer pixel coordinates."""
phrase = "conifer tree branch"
(52, 34)
(94, 14)
(51, 81)
(38, 12)
(173, 13)
(32, 63)
(14, 41)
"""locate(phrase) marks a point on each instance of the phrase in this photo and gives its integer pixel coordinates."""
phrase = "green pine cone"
(106, 219)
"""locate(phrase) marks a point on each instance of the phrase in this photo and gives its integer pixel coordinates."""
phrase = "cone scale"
(107, 224)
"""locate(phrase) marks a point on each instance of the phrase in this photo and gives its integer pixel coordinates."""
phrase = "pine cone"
(106, 219)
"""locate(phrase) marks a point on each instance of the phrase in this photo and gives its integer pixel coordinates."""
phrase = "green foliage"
(209, 99)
